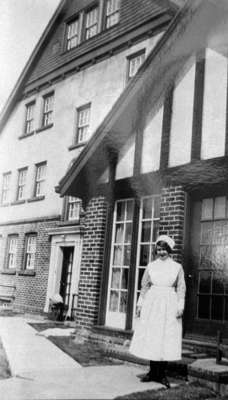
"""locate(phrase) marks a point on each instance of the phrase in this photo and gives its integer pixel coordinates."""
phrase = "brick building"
(85, 59)
(158, 164)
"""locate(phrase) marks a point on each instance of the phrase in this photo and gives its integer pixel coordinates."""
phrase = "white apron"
(158, 334)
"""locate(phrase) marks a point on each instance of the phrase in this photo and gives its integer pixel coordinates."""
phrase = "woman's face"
(162, 252)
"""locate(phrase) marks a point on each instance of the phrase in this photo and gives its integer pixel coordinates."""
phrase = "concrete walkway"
(41, 371)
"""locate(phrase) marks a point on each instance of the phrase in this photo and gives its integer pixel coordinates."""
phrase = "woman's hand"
(138, 311)
(179, 313)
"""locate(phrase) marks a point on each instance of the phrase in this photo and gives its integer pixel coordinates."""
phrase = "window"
(12, 251)
(30, 251)
(83, 119)
(212, 288)
(112, 12)
(29, 118)
(40, 179)
(72, 34)
(91, 23)
(48, 110)
(22, 173)
(5, 188)
(134, 62)
(73, 209)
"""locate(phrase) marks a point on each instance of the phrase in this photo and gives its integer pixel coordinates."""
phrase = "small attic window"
(112, 13)
(72, 36)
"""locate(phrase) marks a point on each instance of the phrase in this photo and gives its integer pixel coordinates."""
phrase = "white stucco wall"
(151, 148)
(214, 106)
(181, 123)
(101, 85)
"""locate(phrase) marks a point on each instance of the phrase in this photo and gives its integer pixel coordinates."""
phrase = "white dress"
(158, 334)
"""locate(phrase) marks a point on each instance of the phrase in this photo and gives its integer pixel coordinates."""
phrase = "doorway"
(66, 275)
(207, 286)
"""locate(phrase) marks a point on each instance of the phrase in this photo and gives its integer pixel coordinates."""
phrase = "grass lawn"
(184, 391)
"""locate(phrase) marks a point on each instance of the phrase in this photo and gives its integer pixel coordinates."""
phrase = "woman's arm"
(145, 285)
(181, 290)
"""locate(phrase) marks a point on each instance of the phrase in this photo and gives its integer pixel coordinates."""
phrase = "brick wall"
(91, 263)
(30, 289)
(172, 216)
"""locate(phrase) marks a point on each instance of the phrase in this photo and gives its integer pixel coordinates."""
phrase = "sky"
(22, 22)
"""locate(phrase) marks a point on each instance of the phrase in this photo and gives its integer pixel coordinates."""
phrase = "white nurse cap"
(166, 239)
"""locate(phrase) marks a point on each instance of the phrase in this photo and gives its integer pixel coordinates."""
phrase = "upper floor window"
(40, 179)
(73, 208)
(83, 120)
(30, 251)
(29, 118)
(72, 34)
(48, 109)
(22, 173)
(134, 62)
(91, 23)
(12, 251)
(112, 12)
(5, 187)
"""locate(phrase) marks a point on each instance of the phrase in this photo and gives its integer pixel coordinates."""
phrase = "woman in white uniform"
(158, 335)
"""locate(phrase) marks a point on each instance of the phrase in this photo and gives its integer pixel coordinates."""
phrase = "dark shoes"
(164, 381)
(149, 378)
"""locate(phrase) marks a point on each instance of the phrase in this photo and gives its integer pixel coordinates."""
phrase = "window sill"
(38, 198)
(44, 128)
(5, 205)
(8, 272)
(76, 146)
(27, 272)
(14, 203)
(26, 135)
(71, 222)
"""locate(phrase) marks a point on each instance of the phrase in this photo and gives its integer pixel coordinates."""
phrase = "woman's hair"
(164, 245)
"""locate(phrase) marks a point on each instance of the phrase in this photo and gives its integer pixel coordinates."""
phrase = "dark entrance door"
(207, 275)
(66, 277)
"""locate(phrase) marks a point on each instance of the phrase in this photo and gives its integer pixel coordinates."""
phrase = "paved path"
(41, 371)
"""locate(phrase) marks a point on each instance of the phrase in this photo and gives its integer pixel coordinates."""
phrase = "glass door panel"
(120, 264)
(148, 232)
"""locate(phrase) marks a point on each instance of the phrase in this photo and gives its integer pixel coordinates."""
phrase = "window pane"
(217, 283)
(115, 284)
(127, 255)
(147, 208)
(144, 255)
(120, 211)
(155, 231)
(124, 281)
(123, 302)
(204, 307)
(220, 207)
(114, 296)
(117, 257)
(128, 232)
(205, 282)
(130, 208)
(207, 209)
(146, 231)
(119, 233)
(217, 308)
(205, 257)
(206, 233)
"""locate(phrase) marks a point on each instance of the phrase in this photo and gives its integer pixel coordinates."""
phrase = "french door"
(207, 300)
(148, 226)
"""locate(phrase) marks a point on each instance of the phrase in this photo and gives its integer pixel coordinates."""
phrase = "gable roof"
(152, 78)
(14, 95)
(34, 70)
(199, 24)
